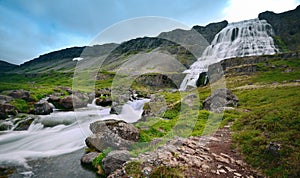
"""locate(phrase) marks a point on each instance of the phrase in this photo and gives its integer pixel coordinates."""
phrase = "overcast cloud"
(34, 27)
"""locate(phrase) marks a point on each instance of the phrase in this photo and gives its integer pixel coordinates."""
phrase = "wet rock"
(54, 100)
(202, 80)
(104, 101)
(219, 99)
(115, 160)
(115, 108)
(21, 94)
(43, 108)
(5, 125)
(7, 109)
(24, 123)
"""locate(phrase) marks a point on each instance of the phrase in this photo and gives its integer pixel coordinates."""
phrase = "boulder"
(21, 94)
(113, 134)
(88, 158)
(115, 108)
(23, 124)
(156, 107)
(115, 160)
(5, 125)
(7, 109)
(104, 101)
(121, 128)
(5, 99)
(220, 99)
(77, 100)
(43, 108)
(54, 100)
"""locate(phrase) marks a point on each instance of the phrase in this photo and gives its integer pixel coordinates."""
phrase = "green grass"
(274, 116)
(98, 160)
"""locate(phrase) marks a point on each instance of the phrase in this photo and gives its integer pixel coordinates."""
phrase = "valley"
(78, 95)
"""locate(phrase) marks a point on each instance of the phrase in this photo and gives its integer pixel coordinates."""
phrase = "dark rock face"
(24, 123)
(286, 26)
(103, 102)
(220, 99)
(43, 108)
(54, 100)
(113, 134)
(160, 80)
(209, 31)
(21, 94)
(202, 80)
(5, 125)
(7, 109)
(114, 160)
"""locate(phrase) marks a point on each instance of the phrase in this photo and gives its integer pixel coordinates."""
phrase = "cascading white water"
(67, 132)
(245, 38)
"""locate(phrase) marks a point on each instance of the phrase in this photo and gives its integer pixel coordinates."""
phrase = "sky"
(30, 28)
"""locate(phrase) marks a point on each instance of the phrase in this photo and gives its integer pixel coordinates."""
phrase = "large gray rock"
(115, 160)
(220, 99)
(21, 94)
(76, 100)
(121, 128)
(43, 108)
(113, 134)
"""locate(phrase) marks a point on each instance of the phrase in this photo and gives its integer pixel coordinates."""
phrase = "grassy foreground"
(268, 111)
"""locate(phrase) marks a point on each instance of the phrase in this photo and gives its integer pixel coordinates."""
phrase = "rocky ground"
(206, 156)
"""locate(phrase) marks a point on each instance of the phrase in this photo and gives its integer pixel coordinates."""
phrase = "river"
(55, 151)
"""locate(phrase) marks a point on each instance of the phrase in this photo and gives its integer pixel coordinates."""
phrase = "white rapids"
(67, 132)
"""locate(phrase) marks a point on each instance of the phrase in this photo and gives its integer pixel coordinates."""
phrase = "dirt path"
(206, 156)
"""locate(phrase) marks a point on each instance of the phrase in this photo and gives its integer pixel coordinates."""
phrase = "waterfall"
(245, 38)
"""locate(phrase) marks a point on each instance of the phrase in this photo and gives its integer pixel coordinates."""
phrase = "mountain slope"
(286, 26)
(5, 66)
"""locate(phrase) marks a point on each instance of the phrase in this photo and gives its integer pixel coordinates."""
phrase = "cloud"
(237, 10)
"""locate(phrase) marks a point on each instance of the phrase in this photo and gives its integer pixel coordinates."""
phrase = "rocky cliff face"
(286, 26)
(210, 30)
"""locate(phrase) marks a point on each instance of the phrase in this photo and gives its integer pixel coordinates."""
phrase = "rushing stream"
(65, 136)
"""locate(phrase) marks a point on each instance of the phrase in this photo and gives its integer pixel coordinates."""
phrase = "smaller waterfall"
(245, 38)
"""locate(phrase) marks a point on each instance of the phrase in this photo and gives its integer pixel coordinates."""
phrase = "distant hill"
(287, 28)
(5, 66)
(184, 45)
